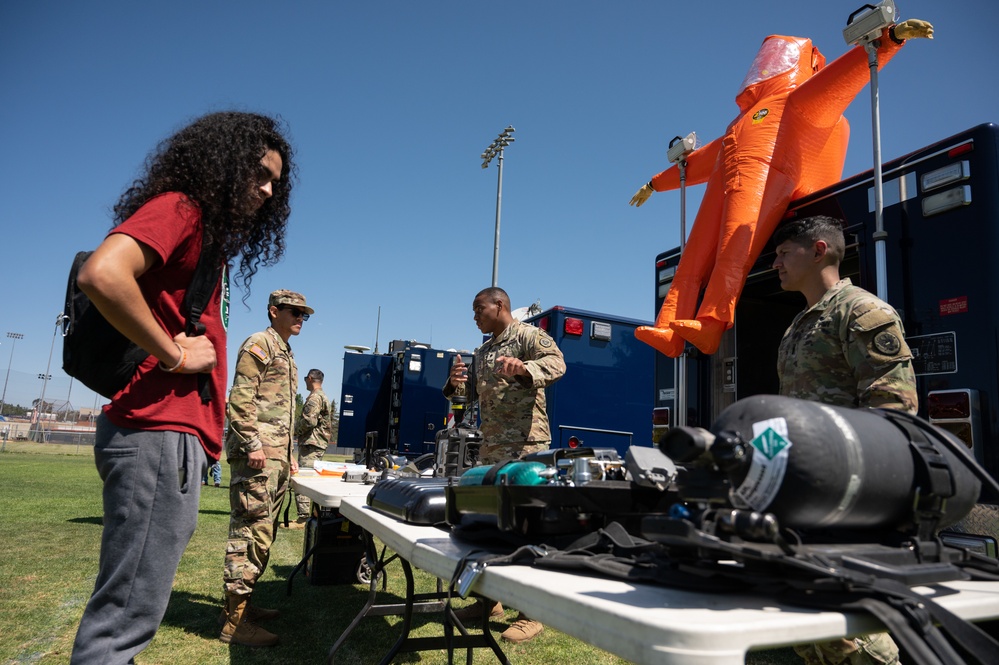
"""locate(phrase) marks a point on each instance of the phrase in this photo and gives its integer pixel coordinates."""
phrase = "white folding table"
(643, 623)
(327, 491)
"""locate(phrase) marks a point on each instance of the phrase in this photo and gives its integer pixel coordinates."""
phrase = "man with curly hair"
(221, 187)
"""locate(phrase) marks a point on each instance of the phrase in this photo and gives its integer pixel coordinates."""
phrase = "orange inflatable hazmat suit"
(789, 140)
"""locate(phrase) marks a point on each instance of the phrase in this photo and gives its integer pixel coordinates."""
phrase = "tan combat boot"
(474, 611)
(252, 613)
(297, 524)
(238, 630)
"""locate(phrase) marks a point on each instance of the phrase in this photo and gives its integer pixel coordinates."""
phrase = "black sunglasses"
(296, 312)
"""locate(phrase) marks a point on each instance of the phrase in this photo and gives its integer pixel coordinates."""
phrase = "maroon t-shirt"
(157, 400)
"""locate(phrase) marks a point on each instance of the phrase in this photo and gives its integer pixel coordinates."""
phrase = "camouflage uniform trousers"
(307, 457)
(255, 497)
(491, 453)
(874, 649)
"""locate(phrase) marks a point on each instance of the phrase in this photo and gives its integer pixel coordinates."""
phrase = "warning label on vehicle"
(954, 306)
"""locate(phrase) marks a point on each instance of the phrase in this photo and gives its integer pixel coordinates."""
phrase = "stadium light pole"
(68, 403)
(14, 336)
(495, 149)
(45, 377)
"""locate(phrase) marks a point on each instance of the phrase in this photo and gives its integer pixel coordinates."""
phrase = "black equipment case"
(412, 500)
(536, 511)
(338, 557)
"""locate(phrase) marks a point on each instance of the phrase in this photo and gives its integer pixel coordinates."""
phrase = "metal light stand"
(864, 27)
(679, 148)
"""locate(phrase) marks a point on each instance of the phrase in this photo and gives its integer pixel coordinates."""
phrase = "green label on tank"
(770, 443)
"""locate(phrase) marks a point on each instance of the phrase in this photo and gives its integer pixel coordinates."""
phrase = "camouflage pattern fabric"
(307, 457)
(262, 399)
(856, 344)
(513, 408)
(877, 649)
(255, 497)
(286, 297)
(848, 350)
(315, 426)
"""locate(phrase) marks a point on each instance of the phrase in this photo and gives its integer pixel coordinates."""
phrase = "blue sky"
(389, 106)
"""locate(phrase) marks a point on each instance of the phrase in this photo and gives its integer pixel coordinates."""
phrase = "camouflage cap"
(286, 297)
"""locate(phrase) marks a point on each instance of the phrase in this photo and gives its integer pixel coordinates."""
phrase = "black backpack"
(104, 360)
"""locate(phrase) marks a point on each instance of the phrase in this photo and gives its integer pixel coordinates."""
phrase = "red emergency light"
(948, 405)
(574, 442)
(660, 416)
(544, 323)
(573, 326)
(961, 149)
(956, 411)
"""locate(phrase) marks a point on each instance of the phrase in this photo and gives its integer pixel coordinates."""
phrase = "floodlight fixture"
(679, 147)
(865, 24)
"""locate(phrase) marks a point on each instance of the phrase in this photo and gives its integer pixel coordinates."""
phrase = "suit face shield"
(775, 57)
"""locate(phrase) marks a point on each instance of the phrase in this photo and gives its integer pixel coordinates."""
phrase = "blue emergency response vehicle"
(605, 398)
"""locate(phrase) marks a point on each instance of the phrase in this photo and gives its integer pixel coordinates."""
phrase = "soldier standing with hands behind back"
(509, 375)
(259, 451)
(313, 430)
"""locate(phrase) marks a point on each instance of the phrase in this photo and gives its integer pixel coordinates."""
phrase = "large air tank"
(813, 465)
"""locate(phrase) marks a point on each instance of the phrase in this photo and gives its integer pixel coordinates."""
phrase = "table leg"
(301, 564)
(418, 602)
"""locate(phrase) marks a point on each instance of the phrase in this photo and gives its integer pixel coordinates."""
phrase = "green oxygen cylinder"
(517, 473)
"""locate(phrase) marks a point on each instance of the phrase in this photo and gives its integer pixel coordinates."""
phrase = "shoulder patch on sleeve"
(258, 352)
(545, 341)
(887, 342)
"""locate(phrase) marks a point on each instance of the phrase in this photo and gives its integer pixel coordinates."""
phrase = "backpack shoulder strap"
(199, 293)
(196, 299)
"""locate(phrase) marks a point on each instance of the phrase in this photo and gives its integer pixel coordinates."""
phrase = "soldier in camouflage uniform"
(259, 452)
(848, 349)
(508, 377)
(313, 430)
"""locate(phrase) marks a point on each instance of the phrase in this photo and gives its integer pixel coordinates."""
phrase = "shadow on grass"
(98, 520)
(214, 512)
(311, 620)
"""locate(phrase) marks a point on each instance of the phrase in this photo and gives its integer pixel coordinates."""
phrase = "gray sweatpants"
(152, 484)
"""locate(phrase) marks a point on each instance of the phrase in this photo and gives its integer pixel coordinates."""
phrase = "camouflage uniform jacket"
(315, 427)
(262, 399)
(848, 350)
(513, 408)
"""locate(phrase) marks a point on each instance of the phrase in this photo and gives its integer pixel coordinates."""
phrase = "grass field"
(51, 499)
